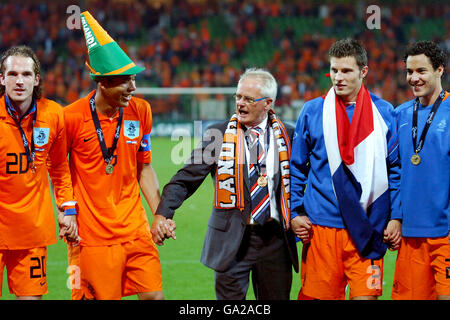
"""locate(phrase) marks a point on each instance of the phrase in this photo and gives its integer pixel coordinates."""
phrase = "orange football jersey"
(110, 207)
(27, 219)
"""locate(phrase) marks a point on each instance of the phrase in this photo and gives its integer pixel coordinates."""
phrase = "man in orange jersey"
(32, 144)
(108, 134)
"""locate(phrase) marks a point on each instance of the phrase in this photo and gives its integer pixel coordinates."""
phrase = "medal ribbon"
(437, 103)
(259, 192)
(108, 153)
(266, 149)
(29, 147)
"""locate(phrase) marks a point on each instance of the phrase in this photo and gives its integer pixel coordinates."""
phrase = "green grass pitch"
(184, 277)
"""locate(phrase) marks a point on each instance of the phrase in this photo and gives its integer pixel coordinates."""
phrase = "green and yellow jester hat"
(106, 58)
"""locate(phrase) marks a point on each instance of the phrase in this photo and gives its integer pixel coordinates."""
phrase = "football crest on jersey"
(442, 125)
(41, 136)
(131, 129)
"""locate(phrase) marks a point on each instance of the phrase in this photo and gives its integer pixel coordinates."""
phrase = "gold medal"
(262, 181)
(109, 168)
(415, 159)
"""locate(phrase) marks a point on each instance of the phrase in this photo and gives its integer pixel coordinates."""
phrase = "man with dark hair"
(423, 261)
(345, 152)
(108, 140)
(32, 145)
(350, 48)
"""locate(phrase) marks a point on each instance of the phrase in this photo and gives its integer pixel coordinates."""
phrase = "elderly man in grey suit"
(249, 227)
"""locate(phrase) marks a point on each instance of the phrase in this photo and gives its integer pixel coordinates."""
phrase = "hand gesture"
(302, 227)
(393, 234)
(162, 228)
(68, 228)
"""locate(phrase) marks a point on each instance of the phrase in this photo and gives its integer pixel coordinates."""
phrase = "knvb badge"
(131, 129)
(41, 136)
(442, 125)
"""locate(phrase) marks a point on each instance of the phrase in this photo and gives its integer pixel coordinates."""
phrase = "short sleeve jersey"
(110, 207)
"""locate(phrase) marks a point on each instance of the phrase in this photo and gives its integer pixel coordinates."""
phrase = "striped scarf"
(229, 178)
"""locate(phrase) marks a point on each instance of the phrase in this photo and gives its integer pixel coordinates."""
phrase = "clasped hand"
(162, 229)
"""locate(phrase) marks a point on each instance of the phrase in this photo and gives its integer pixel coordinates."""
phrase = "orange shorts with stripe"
(26, 271)
(331, 261)
(422, 270)
(114, 271)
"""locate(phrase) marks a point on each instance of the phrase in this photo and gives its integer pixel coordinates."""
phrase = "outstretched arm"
(188, 179)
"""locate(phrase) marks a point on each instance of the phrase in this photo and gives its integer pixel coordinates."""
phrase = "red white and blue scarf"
(357, 153)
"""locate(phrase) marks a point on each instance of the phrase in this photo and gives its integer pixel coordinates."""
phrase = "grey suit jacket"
(226, 226)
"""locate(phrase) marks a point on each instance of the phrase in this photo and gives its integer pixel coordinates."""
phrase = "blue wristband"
(70, 212)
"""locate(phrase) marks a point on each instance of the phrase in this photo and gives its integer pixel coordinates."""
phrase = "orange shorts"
(26, 270)
(114, 271)
(422, 270)
(331, 261)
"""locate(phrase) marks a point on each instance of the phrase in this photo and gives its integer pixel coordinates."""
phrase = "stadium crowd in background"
(208, 45)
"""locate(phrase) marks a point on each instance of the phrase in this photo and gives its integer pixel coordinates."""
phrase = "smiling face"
(19, 80)
(346, 77)
(251, 114)
(117, 90)
(424, 80)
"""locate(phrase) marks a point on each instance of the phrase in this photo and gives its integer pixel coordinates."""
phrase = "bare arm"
(162, 228)
(149, 185)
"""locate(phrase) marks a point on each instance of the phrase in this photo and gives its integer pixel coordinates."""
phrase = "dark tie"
(259, 194)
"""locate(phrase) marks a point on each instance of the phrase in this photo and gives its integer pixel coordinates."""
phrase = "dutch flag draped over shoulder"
(357, 153)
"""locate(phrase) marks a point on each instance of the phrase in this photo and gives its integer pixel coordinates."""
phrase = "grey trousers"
(264, 254)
